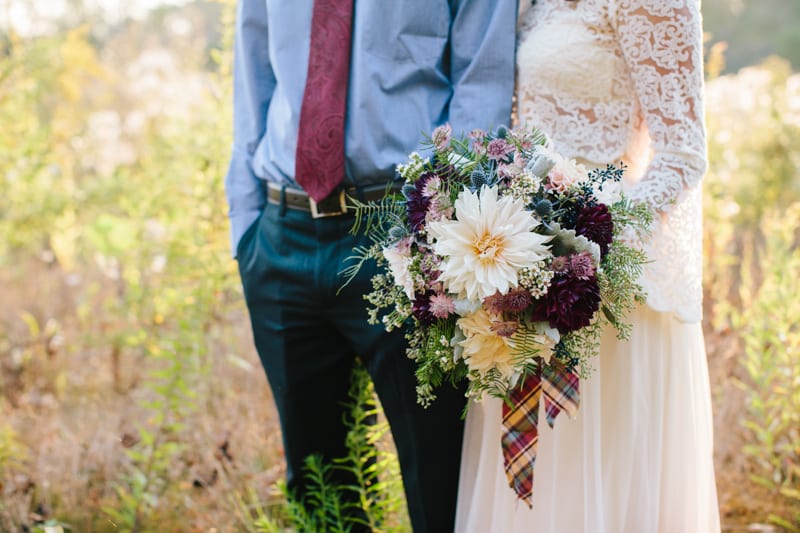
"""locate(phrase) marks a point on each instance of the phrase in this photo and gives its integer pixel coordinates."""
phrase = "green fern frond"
(375, 218)
(526, 343)
(374, 497)
(355, 262)
(626, 213)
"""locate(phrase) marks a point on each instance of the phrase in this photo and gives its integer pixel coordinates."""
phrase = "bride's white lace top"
(612, 80)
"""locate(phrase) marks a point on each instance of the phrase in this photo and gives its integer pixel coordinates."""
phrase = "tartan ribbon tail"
(520, 436)
(561, 393)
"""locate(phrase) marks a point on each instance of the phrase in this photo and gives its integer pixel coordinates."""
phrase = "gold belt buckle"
(341, 208)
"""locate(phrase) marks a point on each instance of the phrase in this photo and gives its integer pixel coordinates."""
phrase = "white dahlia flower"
(486, 245)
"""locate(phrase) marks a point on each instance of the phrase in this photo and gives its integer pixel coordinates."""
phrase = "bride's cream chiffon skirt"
(637, 459)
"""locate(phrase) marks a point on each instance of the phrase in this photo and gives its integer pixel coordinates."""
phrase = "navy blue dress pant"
(308, 337)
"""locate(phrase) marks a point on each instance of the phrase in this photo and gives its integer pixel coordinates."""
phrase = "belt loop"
(264, 186)
(282, 204)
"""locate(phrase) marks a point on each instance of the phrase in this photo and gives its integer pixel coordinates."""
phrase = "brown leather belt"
(333, 205)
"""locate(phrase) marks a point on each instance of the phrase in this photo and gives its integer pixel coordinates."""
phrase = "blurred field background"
(130, 396)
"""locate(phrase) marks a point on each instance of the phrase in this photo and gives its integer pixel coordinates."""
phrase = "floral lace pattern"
(622, 80)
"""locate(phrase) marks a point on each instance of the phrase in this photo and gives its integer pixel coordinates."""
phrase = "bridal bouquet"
(504, 260)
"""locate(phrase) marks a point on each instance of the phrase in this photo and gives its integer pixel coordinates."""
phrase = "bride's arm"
(661, 41)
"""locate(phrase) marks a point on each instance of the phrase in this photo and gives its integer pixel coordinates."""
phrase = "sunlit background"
(130, 396)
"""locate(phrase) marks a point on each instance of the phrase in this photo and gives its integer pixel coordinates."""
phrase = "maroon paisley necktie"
(320, 140)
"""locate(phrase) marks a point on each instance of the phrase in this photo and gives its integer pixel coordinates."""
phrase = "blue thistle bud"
(478, 178)
(544, 208)
(396, 233)
(501, 132)
(407, 190)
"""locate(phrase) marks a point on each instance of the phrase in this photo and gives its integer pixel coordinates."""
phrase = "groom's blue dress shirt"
(415, 64)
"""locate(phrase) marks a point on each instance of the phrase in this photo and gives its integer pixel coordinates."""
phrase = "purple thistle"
(429, 267)
(504, 328)
(441, 137)
(438, 208)
(441, 306)
(494, 304)
(523, 138)
(477, 134)
(560, 264)
(582, 265)
(515, 301)
(514, 169)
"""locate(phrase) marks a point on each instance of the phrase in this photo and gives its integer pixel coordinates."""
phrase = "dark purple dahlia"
(417, 203)
(570, 303)
(594, 222)
(421, 308)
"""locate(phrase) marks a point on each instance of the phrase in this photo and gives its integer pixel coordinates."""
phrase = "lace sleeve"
(661, 41)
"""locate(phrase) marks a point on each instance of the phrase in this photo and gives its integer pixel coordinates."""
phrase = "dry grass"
(74, 410)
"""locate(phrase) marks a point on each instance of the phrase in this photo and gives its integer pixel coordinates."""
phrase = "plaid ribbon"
(520, 422)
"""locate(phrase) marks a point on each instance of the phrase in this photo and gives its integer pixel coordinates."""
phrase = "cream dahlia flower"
(399, 258)
(488, 242)
(483, 348)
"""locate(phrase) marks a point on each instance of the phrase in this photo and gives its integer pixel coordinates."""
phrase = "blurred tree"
(754, 29)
